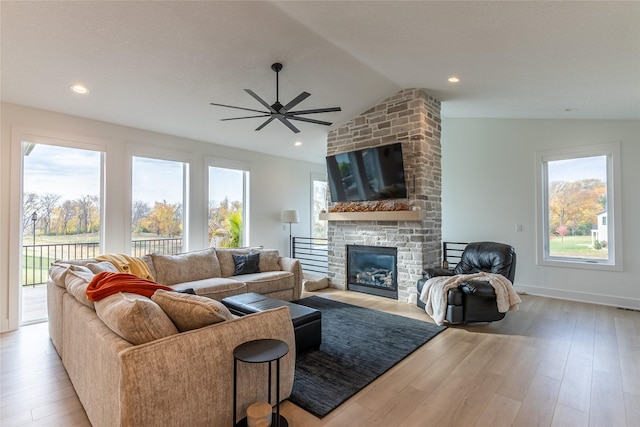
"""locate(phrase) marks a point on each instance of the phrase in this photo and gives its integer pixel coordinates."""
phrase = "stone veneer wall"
(411, 117)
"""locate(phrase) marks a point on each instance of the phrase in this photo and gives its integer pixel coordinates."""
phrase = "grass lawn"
(575, 246)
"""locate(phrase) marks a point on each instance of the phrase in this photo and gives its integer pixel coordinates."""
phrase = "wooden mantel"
(374, 216)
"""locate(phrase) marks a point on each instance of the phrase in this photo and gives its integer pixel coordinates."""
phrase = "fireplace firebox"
(373, 270)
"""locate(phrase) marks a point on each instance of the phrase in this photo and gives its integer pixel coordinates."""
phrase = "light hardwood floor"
(553, 363)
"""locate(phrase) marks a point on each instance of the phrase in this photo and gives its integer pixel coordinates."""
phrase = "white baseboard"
(622, 302)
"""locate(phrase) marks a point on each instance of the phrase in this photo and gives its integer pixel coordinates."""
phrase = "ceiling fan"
(279, 111)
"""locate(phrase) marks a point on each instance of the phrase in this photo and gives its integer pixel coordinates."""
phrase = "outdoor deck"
(34, 304)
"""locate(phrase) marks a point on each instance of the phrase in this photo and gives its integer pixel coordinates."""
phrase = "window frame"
(321, 178)
(165, 155)
(612, 153)
(245, 167)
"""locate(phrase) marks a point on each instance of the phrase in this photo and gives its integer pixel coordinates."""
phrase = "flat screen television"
(374, 173)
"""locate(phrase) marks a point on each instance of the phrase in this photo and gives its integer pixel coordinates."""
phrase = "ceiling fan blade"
(295, 101)
(269, 120)
(239, 108)
(245, 117)
(260, 100)
(304, 119)
(316, 110)
(288, 124)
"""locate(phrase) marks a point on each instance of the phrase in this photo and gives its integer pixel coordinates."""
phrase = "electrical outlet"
(519, 228)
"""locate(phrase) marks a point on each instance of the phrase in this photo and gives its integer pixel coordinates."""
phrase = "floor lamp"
(290, 217)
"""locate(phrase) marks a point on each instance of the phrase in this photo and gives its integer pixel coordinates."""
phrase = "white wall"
(488, 175)
(275, 184)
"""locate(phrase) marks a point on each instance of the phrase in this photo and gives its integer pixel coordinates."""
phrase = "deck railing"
(313, 254)
(36, 259)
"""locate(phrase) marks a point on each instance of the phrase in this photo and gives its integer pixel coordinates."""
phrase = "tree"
(29, 206)
(87, 208)
(576, 204)
(562, 231)
(47, 204)
(233, 226)
(139, 212)
(164, 219)
(65, 214)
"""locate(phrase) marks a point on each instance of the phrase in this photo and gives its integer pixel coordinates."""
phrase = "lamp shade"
(290, 216)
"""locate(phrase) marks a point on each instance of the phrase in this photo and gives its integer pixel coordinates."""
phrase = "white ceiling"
(158, 65)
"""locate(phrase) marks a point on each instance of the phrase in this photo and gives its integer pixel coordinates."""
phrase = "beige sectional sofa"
(133, 361)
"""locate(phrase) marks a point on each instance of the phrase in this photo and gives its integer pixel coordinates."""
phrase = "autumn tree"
(165, 219)
(87, 210)
(65, 214)
(576, 204)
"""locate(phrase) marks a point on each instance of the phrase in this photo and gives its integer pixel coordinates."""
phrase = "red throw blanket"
(107, 283)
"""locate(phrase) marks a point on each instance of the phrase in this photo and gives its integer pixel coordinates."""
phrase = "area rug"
(358, 345)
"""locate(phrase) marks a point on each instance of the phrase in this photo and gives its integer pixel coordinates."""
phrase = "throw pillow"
(269, 260)
(99, 267)
(76, 282)
(246, 264)
(189, 311)
(187, 267)
(58, 272)
(135, 318)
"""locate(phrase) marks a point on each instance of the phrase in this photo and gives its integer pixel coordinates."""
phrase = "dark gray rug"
(358, 345)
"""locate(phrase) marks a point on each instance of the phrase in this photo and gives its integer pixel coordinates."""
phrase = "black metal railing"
(451, 254)
(313, 254)
(158, 246)
(36, 259)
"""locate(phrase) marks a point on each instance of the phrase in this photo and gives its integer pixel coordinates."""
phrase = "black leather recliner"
(475, 301)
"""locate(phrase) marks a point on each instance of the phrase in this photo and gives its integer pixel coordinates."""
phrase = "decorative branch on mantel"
(417, 215)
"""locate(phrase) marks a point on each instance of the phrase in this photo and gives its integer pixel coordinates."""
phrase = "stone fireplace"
(411, 117)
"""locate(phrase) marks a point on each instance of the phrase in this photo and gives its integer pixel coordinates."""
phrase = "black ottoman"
(307, 322)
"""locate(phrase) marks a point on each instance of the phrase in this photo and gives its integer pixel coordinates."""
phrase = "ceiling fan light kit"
(281, 112)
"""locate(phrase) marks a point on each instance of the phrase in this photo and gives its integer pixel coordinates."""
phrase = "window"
(228, 205)
(577, 215)
(157, 206)
(319, 201)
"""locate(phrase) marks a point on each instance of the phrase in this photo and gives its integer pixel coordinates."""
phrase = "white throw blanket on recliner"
(435, 290)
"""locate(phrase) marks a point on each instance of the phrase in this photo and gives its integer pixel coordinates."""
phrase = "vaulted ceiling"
(158, 65)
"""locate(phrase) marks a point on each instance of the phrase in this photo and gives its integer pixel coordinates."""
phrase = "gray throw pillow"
(246, 264)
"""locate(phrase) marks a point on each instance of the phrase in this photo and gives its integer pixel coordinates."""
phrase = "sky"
(572, 170)
(73, 173)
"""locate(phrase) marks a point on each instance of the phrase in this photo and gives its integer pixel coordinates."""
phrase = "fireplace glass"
(372, 270)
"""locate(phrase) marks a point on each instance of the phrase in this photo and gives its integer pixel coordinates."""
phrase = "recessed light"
(78, 88)
(453, 79)
(297, 143)
(570, 110)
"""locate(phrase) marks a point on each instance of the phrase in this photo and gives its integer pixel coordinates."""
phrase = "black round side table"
(260, 351)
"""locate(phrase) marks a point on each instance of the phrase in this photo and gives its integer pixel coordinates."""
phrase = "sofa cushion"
(225, 257)
(76, 282)
(269, 260)
(186, 267)
(246, 264)
(135, 318)
(191, 311)
(272, 281)
(99, 267)
(215, 288)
